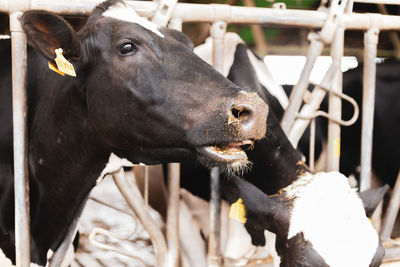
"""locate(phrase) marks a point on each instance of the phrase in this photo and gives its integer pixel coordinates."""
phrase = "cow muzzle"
(246, 122)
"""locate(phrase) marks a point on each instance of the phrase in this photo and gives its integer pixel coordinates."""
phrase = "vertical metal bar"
(146, 185)
(173, 214)
(335, 103)
(175, 23)
(217, 31)
(20, 135)
(370, 44)
(214, 257)
(312, 145)
(391, 211)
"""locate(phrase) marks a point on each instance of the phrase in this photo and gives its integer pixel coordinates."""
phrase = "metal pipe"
(57, 258)
(370, 46)
(318, 41)
(296, 96)
(173, 214)
(214, 257)
(311, 105)
(217, 32)
(391, 211)
(176, 24)
(230, 14)
(387, 2)
(335, 103)
(312, 145)
(20, 139)
(132, 195)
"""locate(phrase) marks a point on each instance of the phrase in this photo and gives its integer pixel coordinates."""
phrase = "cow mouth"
(227, 153)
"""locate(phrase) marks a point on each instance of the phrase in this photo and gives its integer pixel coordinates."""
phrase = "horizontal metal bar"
(229, 14)
(385, 2)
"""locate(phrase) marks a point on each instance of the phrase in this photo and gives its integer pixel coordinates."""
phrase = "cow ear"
(48, 31)
(372, 197)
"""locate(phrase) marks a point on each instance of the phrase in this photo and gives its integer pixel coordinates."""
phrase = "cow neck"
(63, 150)
(278, 163)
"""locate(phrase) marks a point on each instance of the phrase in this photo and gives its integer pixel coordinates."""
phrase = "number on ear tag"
(238, 211)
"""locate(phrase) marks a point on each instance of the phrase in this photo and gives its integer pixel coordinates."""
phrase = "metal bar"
(173, 214)
(176, 24)
(387, 2)
(391, 211)
(132, 195)
(311, 105)
(296, 96)
(335, 103)
(258, 33)
(20, 137)
(217, 32)
(312, 145)
(370, 45)
(57, 258)
(230, 14)
(318, 41)
(146, 185)
(394, 37)
(214, 257)
(163, 12)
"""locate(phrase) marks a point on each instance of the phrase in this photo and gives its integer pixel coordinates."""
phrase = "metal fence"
(332, 23)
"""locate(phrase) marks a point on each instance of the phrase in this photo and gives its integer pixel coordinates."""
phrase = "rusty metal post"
(370, 46)
(391, 211)
(173, 214)
(217, 31)
(20, 133)
(335, 103)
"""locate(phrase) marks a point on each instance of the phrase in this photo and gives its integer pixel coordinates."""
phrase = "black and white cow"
(317, 218)
(139, 92)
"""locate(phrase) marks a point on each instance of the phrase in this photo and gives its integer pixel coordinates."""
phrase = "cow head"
(149, 97)
(318, 220)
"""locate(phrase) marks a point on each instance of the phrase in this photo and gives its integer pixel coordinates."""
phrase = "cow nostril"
(241, 113)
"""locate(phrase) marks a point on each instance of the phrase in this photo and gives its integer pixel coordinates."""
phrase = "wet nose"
(249, 112)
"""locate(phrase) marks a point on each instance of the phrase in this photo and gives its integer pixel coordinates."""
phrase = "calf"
(139, 92)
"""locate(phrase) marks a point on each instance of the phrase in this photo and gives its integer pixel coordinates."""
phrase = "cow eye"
(127, 49)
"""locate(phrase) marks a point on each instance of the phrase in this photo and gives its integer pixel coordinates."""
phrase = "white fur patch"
(122, 11)
(331, 216)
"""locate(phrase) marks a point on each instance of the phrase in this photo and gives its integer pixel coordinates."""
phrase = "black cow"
(386, 144)
(318, 219)
(140, 92)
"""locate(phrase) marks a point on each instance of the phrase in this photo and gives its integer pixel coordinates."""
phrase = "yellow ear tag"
(63, 64)
(54, 68)
(238, 211)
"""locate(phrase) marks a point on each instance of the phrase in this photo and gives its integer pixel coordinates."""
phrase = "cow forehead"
(331, 216)
(122, 11)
